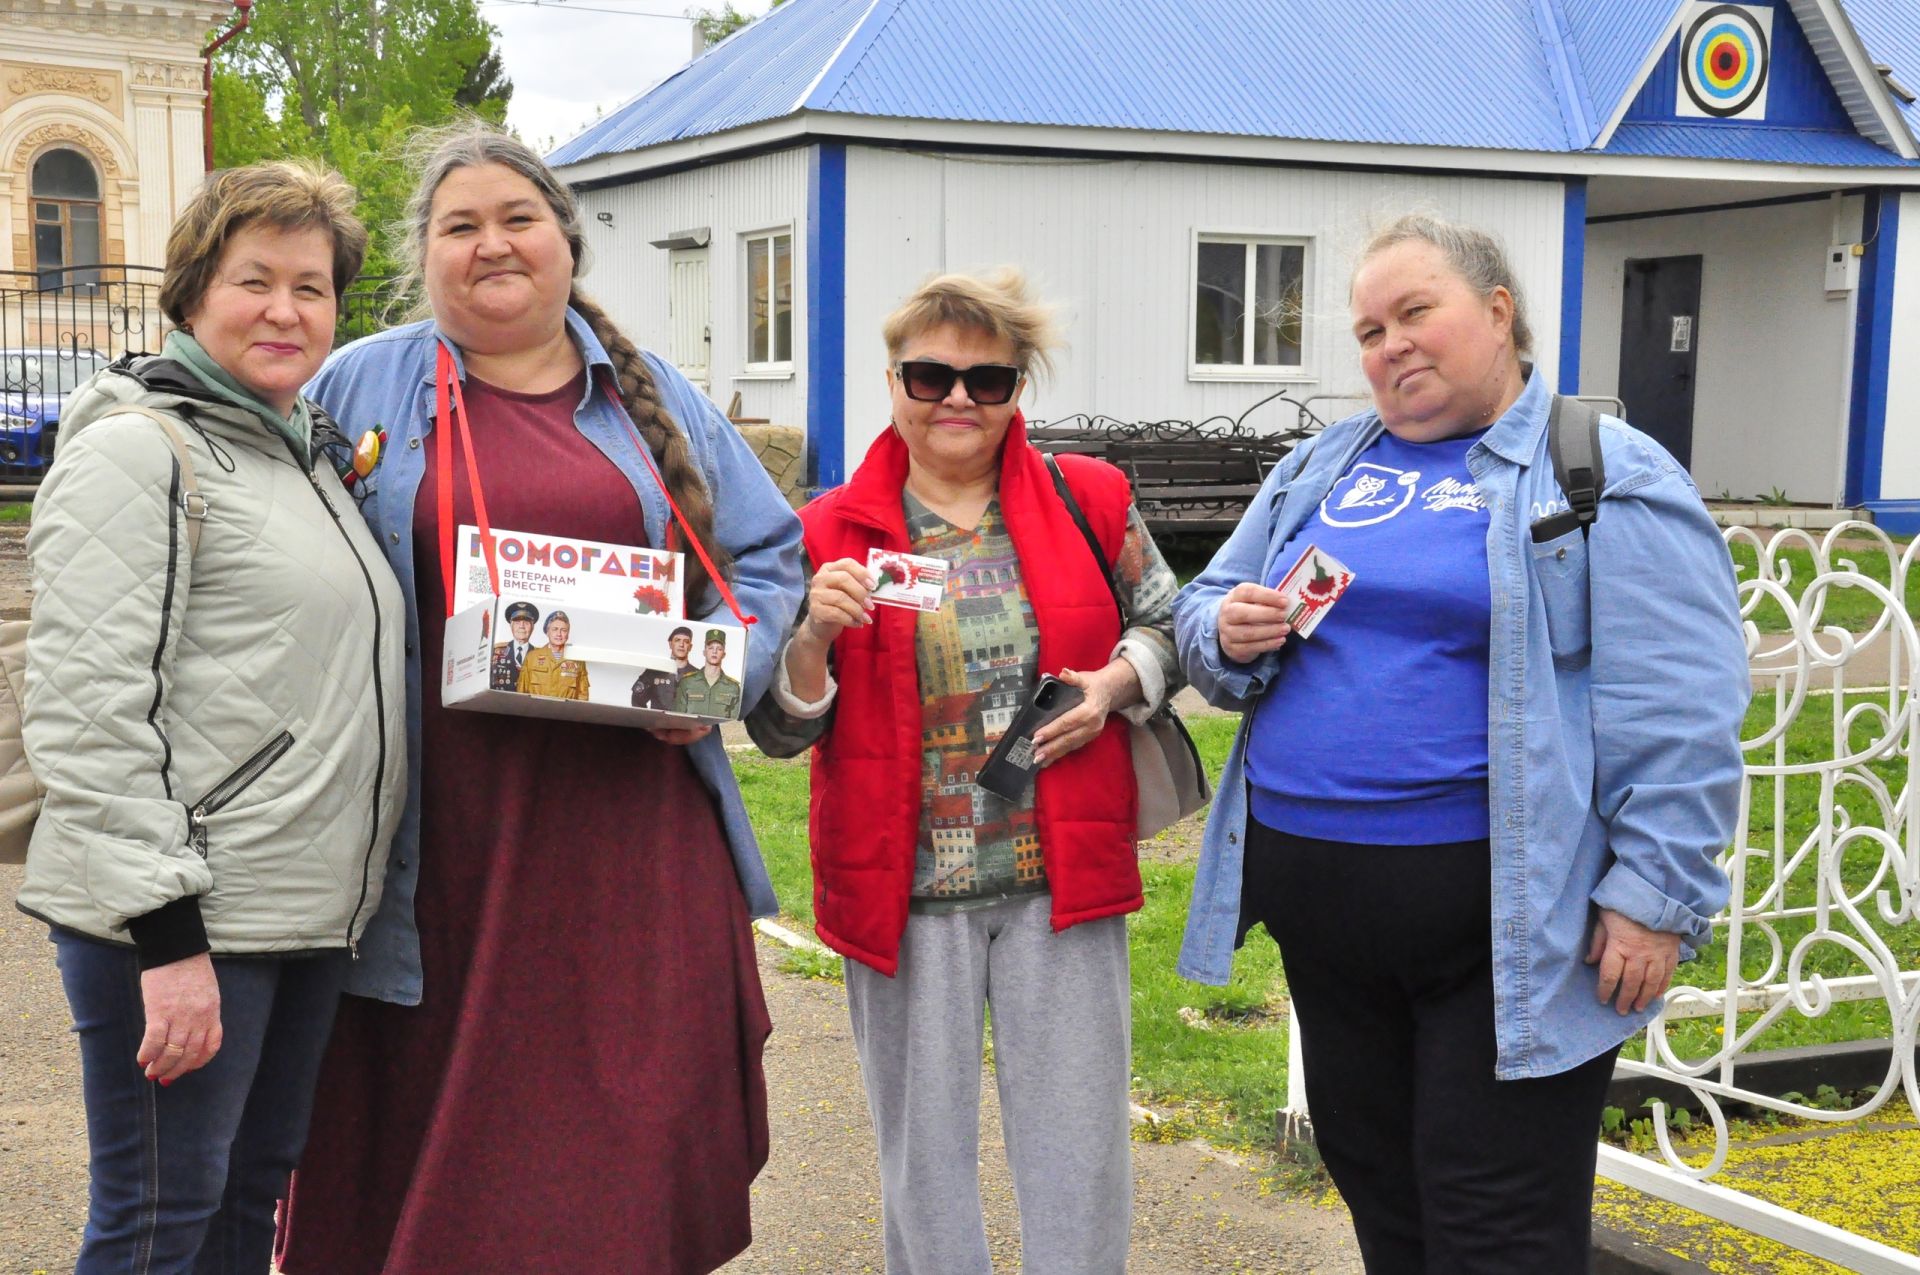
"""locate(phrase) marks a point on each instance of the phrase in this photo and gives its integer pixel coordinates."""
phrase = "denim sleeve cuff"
(169, 933)
(1625, 891)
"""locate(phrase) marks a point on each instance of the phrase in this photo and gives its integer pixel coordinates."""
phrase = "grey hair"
(1471, 253)
(468, 142)
(434, 153)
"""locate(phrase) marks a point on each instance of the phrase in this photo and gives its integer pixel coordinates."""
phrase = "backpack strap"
(191, 500)
(1573, 442)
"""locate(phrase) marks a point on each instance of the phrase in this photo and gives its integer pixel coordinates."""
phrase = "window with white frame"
(770, 300)
(1249, 315)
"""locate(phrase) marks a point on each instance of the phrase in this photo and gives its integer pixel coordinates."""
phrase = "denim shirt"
(1617, 687)
(386, 381)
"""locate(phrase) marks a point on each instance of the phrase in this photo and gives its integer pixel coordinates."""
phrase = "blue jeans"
(185, 1178)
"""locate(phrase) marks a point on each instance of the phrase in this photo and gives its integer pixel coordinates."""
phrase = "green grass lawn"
(1853, 609)
(1216, 1057)
(16, 512)
(1220, 1068)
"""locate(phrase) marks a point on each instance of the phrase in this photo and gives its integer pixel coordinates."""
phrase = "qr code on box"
(477, 579)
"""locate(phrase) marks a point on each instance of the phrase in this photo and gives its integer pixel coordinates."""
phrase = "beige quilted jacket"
(228, 724)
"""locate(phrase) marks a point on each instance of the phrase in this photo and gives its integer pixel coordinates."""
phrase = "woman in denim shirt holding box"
(1479, 809)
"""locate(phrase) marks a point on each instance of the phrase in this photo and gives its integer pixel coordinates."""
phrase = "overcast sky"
(571, 60)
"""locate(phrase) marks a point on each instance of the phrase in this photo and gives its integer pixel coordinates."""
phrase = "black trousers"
(1388, 955)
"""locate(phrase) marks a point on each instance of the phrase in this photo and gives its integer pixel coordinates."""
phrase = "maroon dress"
(580, 1088)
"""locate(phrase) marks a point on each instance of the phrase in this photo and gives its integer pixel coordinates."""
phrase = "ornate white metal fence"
(1825, 866)
(1824, 914)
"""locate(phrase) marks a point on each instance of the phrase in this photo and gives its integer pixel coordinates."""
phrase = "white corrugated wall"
(1111, 243)
(729, 200)
(1900, 452)
(1772, 373)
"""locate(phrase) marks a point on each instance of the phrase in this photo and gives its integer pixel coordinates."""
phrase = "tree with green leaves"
(716, 25)
(344, 80)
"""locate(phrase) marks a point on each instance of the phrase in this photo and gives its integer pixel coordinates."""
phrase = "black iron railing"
(57, 328)
(371, 303)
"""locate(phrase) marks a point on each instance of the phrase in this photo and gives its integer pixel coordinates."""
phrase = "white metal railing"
(1840, 884)
(1811, 891)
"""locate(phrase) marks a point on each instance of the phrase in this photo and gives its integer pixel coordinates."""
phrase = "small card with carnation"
(907, 580)
(1315, 582)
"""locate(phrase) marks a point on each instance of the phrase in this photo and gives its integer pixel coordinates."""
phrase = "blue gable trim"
(1799, 94)
(1872, 348)
(1573, 267)
(827, 315)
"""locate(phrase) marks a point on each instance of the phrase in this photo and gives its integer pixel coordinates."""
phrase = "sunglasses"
(988, 384)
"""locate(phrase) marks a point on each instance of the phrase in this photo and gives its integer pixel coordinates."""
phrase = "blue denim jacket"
(1613, 718)
(387, 381)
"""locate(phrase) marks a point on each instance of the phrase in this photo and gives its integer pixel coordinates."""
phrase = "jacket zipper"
(380, 717)
(241, 778)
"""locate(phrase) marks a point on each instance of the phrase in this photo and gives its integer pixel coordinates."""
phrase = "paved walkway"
(816, 1205)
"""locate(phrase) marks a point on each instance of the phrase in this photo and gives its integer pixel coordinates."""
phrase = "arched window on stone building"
(66, 216)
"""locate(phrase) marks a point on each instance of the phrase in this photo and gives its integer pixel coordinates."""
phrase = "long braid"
(667, 443)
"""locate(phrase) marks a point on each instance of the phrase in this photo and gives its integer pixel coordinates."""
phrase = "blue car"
(33, 384)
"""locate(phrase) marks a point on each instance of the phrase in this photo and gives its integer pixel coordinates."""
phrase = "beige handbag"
(20, 792)
(1166, 765)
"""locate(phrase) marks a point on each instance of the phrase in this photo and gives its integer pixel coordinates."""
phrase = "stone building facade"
(101, 105)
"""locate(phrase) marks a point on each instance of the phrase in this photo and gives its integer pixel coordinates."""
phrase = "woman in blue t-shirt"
(1479, 808)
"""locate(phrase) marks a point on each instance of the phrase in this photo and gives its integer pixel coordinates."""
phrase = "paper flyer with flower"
(907, 580)
(1315, 582)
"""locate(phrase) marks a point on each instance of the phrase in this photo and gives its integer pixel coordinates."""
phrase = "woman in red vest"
(944, 897)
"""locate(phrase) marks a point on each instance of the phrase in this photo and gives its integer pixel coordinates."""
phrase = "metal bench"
(1189, 478)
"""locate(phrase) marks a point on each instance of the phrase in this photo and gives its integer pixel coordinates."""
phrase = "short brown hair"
(287, 194)
(997, 304)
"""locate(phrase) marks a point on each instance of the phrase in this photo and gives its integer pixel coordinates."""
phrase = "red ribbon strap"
(446, 381)
(719, 581)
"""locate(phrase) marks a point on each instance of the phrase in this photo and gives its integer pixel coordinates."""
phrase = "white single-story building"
(1703, 201)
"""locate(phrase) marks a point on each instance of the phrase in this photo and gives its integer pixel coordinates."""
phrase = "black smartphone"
(1010, 766)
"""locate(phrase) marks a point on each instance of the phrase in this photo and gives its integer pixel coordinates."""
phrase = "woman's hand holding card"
(1253, 621)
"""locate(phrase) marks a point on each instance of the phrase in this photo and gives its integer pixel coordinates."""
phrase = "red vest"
(866, 770)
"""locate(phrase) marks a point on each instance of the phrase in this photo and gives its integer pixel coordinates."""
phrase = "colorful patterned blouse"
(978, 658)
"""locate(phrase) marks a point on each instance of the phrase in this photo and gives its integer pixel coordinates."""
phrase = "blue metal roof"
(1891, 31)
(1757, 143)
(1528, 75)
(759, 73)
(1613, 39)
(1242, 70)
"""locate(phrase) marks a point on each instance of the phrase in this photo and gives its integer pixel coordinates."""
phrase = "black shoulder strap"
(1080, 521)
(1577, 463)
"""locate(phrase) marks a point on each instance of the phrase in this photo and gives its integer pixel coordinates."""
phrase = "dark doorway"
(1659, 335)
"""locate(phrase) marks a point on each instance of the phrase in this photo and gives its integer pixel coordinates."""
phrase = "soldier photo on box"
(508, 657)
(707, 690)
(548, 671)
(658, 687)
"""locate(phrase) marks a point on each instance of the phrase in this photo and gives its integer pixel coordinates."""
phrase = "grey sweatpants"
(1062, 1036)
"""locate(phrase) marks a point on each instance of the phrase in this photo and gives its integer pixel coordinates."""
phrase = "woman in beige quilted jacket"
(214, 704)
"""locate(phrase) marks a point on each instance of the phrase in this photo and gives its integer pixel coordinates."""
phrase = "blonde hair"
(1471, 253)
(997, 304)
(470, 142)
(287, 194)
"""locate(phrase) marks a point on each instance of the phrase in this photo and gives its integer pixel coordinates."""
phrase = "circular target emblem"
(1723, 60)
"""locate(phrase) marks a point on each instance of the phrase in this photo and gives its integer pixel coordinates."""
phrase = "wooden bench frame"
(1187, 479)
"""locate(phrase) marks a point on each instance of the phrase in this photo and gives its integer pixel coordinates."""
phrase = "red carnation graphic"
(895, 571)
(650, 600)
(1315, 594)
